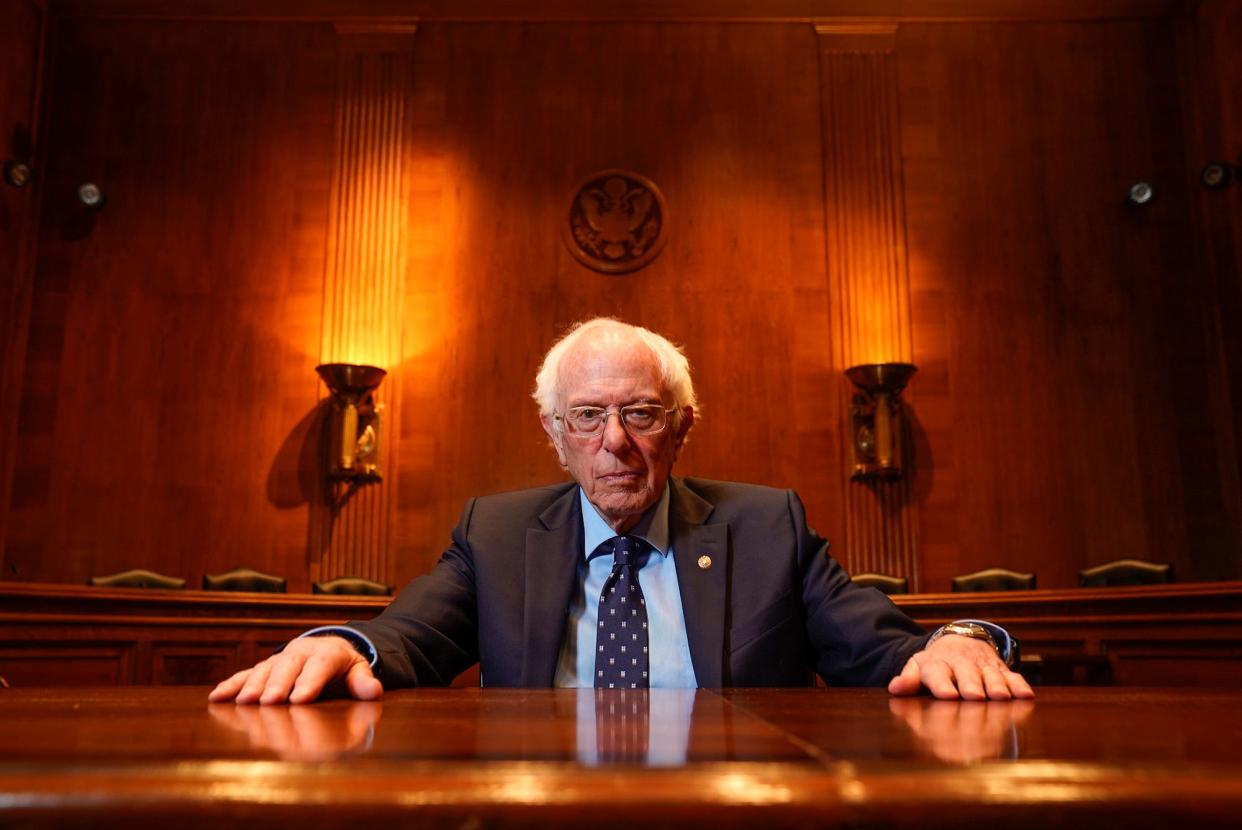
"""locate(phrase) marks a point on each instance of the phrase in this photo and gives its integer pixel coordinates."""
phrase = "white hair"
(673, 365)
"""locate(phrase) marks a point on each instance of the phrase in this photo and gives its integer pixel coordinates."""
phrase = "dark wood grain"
(1212, 74)
(21, 42)
(1057, 328)
(169, 369)
(775, 758)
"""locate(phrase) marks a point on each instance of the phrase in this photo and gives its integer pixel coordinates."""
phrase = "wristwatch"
(976, 630)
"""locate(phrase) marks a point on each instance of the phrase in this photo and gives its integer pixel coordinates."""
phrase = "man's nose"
(615, 438)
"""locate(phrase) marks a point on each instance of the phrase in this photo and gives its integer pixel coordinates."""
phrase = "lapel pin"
(705, 561)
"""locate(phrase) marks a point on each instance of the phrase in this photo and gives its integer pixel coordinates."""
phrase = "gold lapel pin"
(705, 561)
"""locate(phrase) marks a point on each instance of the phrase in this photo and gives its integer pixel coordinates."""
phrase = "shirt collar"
(653, 526)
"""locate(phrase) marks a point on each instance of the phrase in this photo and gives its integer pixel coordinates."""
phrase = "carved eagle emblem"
(616, 222)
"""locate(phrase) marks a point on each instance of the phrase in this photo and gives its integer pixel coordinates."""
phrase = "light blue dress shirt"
(669, 664)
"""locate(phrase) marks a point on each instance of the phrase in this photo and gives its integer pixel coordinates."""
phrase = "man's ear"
(554, 435)
(683, 429)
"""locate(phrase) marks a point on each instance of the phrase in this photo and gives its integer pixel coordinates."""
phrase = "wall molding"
(675, 11)
(866, 264)
(363, 280)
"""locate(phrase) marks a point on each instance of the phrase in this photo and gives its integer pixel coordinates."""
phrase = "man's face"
(621, 474)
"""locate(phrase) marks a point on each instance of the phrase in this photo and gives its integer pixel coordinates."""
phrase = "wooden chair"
(352, 585)
(883, 583)
(137, 578)
(1126, 572)
(244, 579)
(993, 579)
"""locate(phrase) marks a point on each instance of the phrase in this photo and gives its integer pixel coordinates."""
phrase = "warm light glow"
(877, 319)
(744, 788)
(366, 253)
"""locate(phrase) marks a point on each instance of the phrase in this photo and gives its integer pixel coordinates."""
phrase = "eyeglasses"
(636, 419)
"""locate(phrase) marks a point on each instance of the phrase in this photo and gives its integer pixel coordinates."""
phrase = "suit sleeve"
(857, 635)
(429, 633)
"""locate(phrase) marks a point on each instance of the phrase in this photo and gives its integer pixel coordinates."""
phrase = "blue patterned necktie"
(621, 638)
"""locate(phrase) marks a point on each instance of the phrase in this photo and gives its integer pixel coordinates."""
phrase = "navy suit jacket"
(772, 608)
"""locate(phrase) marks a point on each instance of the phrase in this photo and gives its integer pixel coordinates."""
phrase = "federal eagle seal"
(617, 222)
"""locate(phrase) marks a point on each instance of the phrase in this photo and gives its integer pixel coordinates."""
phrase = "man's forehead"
(608, 364)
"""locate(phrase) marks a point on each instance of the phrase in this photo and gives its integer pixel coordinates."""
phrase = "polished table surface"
(542, 758)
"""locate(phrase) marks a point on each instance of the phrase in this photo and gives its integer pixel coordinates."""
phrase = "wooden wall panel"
(68, 663)
(368, 229)
(169, 380)
(20, 49)
(867, 274)
(507, 120)
(1211, 78)
(169, 412)
(1065, 337)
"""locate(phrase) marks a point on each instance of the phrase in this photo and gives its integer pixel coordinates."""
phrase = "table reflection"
(633, 726)
(303, 733)
(964, 731)
(652, 728)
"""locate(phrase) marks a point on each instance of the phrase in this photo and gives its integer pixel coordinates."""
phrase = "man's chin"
(617, 505)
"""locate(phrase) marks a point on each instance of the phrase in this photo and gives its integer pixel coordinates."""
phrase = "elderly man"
(630, 578)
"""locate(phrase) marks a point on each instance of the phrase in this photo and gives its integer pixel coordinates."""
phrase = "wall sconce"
(877, 422)
(354, 454)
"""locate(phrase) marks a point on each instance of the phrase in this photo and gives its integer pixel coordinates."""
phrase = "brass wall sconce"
(355, 441)
(876, 415)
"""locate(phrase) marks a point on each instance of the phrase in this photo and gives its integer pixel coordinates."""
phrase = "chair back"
(244, 579)
(137, 578)
(1126, 572)
(352, 585)
(883, 583)
(993, 579)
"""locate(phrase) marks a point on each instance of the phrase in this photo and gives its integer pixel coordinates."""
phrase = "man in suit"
(727, 584)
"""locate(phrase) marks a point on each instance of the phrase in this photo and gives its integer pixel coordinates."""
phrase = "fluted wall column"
(350, 531)
(866, 259)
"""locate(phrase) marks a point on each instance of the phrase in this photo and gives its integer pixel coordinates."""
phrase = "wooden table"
(162, 756)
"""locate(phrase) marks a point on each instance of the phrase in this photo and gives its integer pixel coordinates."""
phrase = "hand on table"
(960, 667)
(299, 673)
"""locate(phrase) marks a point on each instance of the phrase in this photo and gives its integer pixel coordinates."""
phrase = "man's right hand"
(299, 673)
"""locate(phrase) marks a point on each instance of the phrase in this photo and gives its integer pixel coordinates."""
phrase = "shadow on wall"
(296, 475)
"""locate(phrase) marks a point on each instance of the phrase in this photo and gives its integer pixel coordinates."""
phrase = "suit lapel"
(552, 555)
(704, 590)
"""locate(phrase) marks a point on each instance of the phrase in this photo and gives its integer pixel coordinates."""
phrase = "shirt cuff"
(361, 643)
(1006, 645)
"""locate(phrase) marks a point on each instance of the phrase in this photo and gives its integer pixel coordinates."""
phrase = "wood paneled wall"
(1068, 340)
(20, 47)
(1212, 80)
(1073, 403)
(169, 391)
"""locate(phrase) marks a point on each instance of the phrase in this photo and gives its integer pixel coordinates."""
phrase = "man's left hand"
(960, 667)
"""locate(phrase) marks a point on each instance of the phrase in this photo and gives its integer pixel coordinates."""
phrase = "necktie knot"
(630, 552)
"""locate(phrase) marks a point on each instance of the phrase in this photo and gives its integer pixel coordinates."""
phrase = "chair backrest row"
(239, 579)
(1121, 572)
